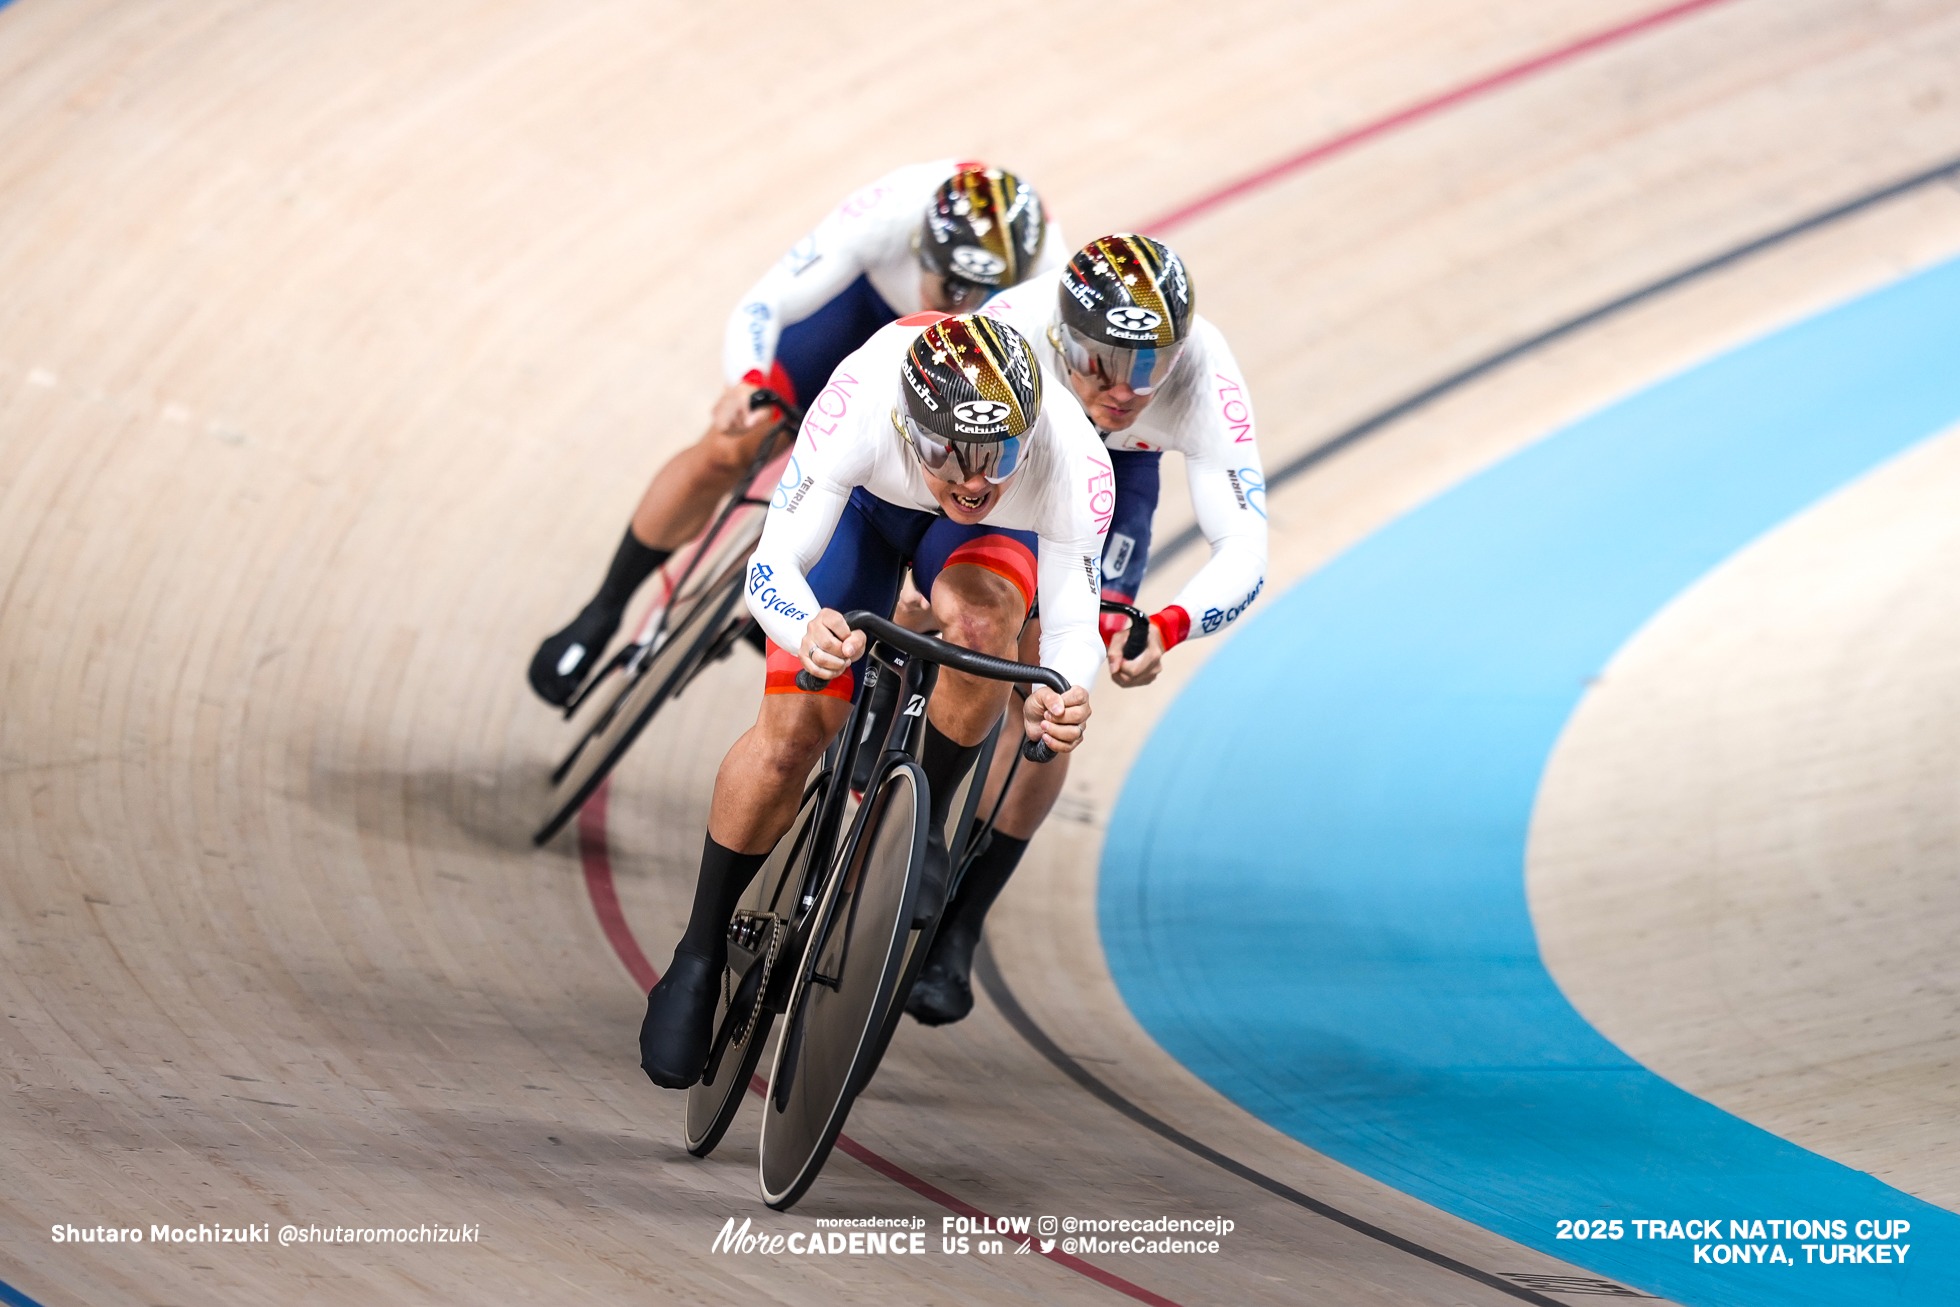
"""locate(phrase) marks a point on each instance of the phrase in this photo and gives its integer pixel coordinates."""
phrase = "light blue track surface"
(1313, 889)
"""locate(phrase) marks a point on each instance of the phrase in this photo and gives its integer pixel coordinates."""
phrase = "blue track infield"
(1313, 889)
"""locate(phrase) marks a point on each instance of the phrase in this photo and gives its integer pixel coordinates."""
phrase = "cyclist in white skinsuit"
(1118, 324)
(931, 447)
(1042, 532)
(872, 260)
(957, 257)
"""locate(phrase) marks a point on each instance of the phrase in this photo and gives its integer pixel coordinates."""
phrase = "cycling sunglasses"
(1142, 370)
(955, 461)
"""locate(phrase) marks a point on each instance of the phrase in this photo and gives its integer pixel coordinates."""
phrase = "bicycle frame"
(860, 990)
(917, 679)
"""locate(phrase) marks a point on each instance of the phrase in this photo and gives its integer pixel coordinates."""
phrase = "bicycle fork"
(905, 736)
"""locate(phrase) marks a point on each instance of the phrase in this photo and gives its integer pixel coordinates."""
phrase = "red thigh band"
(782, 669)
(1003, 556)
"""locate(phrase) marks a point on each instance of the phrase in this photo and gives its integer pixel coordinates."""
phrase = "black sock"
(945, 764)
(724, 875)
(985, 878)
(632, 563)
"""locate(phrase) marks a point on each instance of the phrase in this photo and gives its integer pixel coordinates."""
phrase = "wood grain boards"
(336, 344)
(1744, 857)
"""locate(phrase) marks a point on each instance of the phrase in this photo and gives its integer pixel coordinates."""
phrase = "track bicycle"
(697, 620)
(782, 891)
(830, 924)
(977, 836)
(763, 936)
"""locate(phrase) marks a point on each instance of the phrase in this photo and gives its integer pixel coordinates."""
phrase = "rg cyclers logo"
(771, 600)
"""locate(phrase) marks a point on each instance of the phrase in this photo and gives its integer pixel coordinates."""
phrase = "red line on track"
(592, 846)
(595, 858)
(1423, 109)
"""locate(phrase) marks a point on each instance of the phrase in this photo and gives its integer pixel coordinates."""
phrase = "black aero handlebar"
(933, 649)
(1139, 637)
(763, 397)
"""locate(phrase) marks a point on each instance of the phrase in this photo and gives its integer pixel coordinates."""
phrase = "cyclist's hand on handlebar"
(830, 645)
(1141, 670)
(1059, 717)
(734, 417)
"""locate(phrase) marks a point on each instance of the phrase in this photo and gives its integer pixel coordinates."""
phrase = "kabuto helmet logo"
(1130, 320)
(981, 414)
(976, 262)
(1179, 284)
(1018, 365)
(1024, 217)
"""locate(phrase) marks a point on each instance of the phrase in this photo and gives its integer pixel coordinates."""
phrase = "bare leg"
(1032, 796)
(914, 612)
(980, 610)
(761, 780)
(683, 494)
(674, 509)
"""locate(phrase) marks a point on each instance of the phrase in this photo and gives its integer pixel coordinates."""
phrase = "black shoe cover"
(935, 871)
(940, 996)
(680, 1021)
(563, 660)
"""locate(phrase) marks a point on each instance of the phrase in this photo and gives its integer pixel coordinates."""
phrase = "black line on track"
(989, 974)
(1429, 394)
(1024, 1025)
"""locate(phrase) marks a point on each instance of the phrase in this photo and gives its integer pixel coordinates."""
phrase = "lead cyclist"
(933, 445)
(1119, 322)
(872, 260)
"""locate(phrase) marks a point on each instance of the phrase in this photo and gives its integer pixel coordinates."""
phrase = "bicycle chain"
(777, 929)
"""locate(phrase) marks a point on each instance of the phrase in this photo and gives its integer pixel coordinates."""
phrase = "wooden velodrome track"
(335, 343)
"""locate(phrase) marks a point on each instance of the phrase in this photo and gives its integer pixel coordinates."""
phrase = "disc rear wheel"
(918, 945)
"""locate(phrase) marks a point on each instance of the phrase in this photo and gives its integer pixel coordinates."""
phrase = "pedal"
(593, 681)
(635, 656)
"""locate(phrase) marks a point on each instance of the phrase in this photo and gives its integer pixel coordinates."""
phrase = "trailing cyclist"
(1152, 376)
(931, 446)
(872, 260)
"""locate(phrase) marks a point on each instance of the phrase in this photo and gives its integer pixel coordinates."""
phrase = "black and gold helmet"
(972, 391)
(1126, 311)
(984, 227)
